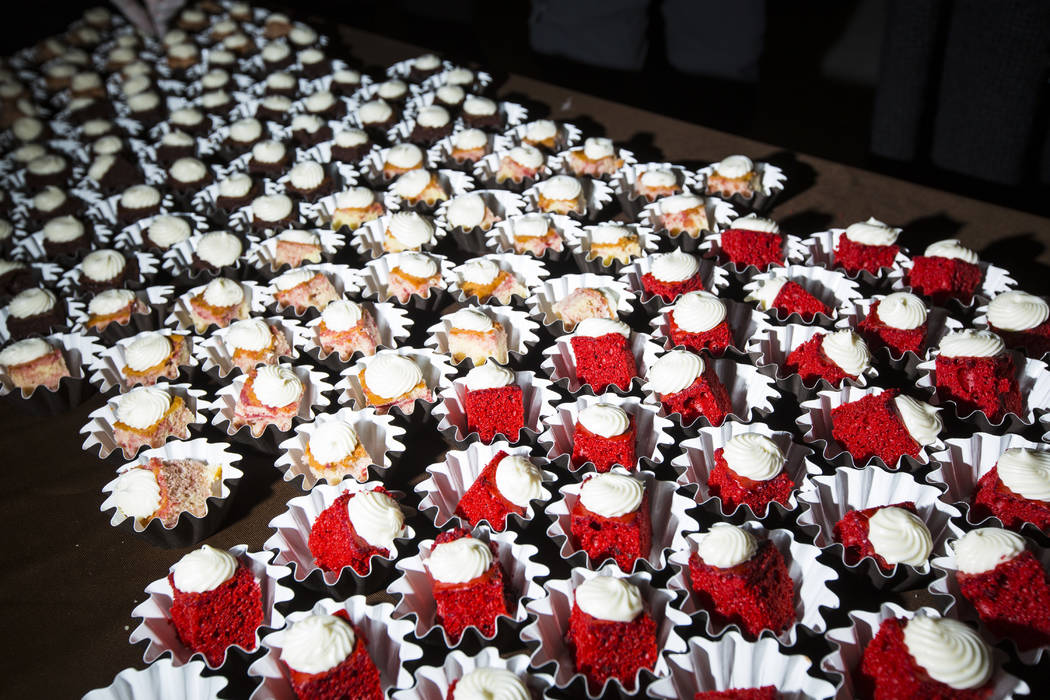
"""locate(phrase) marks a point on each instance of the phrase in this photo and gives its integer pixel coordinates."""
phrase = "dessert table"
(70, 580)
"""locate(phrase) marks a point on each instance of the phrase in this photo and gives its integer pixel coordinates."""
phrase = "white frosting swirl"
(277, 386)
(268, 151)
(272, 207)
(63, 229)
(143, 102)
(459, 76)
(307, 175)
(676, 266)
(188, 170)
(531, 226)
(9, 265)
(426, 62)
(609, 598)
(165, 231)
(310, 56)
(899, 536)
(725, 546)
(318, 643)
(985, 548)
(612, 495)
(300, 236)
(561, 187)
(319, 102)
(433, 117)
(677, 203)
(902, 310)
(136, 493)
(47, 200)
(348, 138)
(598, 327)
(518, 480)
(466, 211)
(215, 79)
(251, 334)
(276, 103)
(1017, 311)
(699, 311)
(675, 371)
(488, 376)
(281, 81)
(140, 197)
(450, 94)
(374, 112)
(479, 106)
(951, 248)
(411, 229)
(235, 186)
(100, 166)
(23, 351)
(32, 301)
(333, 441)
(541, 130)
(847, 350)
(417, 265)
(203, 570)
(971, 343)
(753, 456)
(223, 292)
(376, 518)
(605, 419)
(342, 315)
(346, 76)
(390, 375)
(107, 145)
(658, 177)
(143, 406)
(949, 651)
(752, 222)
(187, 116)
(49, 164)
(110, 302)
(147, 350)
(469, 139)
(609, 234)
(102, 265)
(459, 561)
(872, 232)
(765, 295)
(392, 89)
(596, 148)
(355, 198)
(479, 271)
(734, 167)
(920, 419)
(219, 248)
(249, 130)
(411, 184)
(490, 684)
(470, 319)
(1026, 472)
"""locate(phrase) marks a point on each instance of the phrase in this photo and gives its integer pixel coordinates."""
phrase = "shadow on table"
(1019, 254)
(805, 222)
(800, 176)
(919, 233)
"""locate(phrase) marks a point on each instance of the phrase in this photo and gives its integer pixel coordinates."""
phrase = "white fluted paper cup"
(108, 368)
(392, 323)
(559, 163)
(529, 271)
(503, 205)
(500, 238)
(832, 288)
(770, 350)
(521, 338)
(820, 250)
(793, 248)
(323, 211)
(345, 280)
(433, 682)
(375, 283)
(81, 353)
(549, 292)
(537, 399)
(719, 215)
(263, 255)
(156, 301)
(625, 184)
(597, 196)
(559, 363)
(715, 279)
(436, 375)
(181, 317)
(771, 181)
(368, 239)
(100, 429)
(589, 261)
(744, 322)
(216, 357)
(162, 680)
(994, 281)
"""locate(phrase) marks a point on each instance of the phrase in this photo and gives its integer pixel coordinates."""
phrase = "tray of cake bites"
(559, 423)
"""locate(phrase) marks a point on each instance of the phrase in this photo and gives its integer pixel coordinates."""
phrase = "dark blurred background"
(948, 93)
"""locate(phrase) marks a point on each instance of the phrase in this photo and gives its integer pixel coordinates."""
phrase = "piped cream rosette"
(677, 268)
(434, 369)
(770, 350)
(594, 194)
(108, 368)
(744, 321)
(413, 230)
(181, 318)
(529, 271)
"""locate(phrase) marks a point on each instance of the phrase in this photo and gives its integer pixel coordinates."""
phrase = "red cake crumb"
(872, 427)
(706, 397)
(1013, 599)
(716, 340)
(992, 497)
(496, 411)
(605, 649)
(624, 538)
(854, 257)
(477, 602)
(942, 279)
(483, 501)
(766, 692)
(852, 533)
(792, 298)
(1034, 341)
(756, 248)
(604, 452)
(356, 677)
(669, 291)
(211, 621)
(604, 360)
(757, 594)
(334, 542)
(810, 362)
(987, 384)
(878, 335)
(735, 490)
(890, 672)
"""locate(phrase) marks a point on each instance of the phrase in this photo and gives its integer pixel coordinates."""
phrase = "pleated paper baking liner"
(100, 431)
(132, 238)
(807, 573)
(371, 168)
(834, 289)
(216, 357)
(345, 279)
(181, 316)
(816, 427)
(368, 239)
(850, 643)
(157, 300)
(374, 278)
(653, 433)
(546, 294)
(393, 324)
(938, 324)
(232, 155)
(107, 371)
(770, 350)
(487, 168)
(148, 266)
(536, 395)
(453, 182)
(205, 201)
(189, 529)
(323, 210)
(510, 113)
(719, 215)
(963, 462)
(178, 261)
(1033, 381)
(291, 539)
(529, 271)
(80, 352)
(771, 184)
(589, 261)
(340, 176)
(449, 480)
(980, 322)
(263, 255)
(521, 574)
(386, 644)
(732, 663)
(625, 184)
(568, 135)
(559, 163)
(559, 364)
(501, 203)
(697, 459)
(269, 439)
(378, 434)
(744, 321)
(243, 220)
(711, 247)
(322, 151)
(162, 681)
(432, 682)
(827, 499)
(519, 328)
(596, 194)
(72, 308)
(482, 81)
(157, 629)
(668, 511)
(820, 251)
(500, 237)
(441, 151)
(751, 394)
(714, 278)
(994, 282)
(946, 585)
(437, 373)
(552, 612)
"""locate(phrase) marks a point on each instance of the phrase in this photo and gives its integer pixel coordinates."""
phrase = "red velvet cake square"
(335, 543)
(477, 602)
(872, 427)
(852, 533)
(810, 362)
(793, 298)
(624, 538)
(604, 452)
(736, 490)
(992, 497)
(491, 412)
(211, 621)
(715, 340)
(755, 595)
(604, 360)
(766, 692)
(706, 397)
(987, 384)
(483, 500)
(669, 291)
(756, 248)
(355, 677)
(605, 649)
(854, 257)
(899, 340)
(942, 279)
(1013, 599)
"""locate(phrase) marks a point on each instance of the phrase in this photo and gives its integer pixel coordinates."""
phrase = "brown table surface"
(70, 581)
